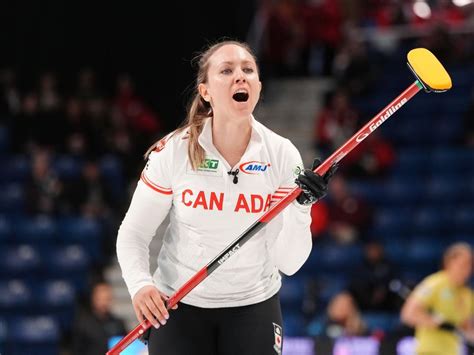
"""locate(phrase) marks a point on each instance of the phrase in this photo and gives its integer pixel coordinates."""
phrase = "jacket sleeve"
(150, 204)
(294, 242)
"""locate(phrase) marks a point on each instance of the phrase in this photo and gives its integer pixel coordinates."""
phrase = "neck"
(453, 278)
(231, 137)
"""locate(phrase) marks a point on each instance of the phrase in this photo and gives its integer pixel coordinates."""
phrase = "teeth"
(241, 91)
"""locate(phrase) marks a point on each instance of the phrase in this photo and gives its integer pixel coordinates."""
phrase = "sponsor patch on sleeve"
(160, 145)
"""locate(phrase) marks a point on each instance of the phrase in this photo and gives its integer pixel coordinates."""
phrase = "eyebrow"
(231, 62)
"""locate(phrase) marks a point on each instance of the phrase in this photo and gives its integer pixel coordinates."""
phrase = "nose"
(240, 76)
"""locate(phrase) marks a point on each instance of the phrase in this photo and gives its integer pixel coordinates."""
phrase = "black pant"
(251, 330)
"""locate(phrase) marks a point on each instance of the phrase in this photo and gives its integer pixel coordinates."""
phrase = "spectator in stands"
(49, 98)
(319, 219)
(343, 318)
(370, 283)
(97, 118)
(373, 158)
(90, 195)
(26, 125)
(120, 143)
(95, 323)
(335, 123)
(442, 12)
(350, 215)
(390, 13)
(87, 87)
(50, 112)
(10, 101)
(441, 41)
(44, 190)
(353, 68)
(324, 20)
(442, 304)
(75, 137)
(283, 40)
(141, 119)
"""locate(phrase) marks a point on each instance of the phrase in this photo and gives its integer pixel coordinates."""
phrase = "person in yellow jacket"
(441, 307)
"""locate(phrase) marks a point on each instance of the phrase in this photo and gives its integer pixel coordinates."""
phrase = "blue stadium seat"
(328, 287)
(371, 191)
(3, 335)
(67, 259)
(5, 229)
(112, 169)
(411, 162)
(37, 230)
(69, 262)
(446, 130)
(428, 219)
(468, 187)
(424, 252)
(442, 189)
(294, 324)
(461, 76)
(292, 291)
(391, 222)
(463, 219)
(33, 335)
(454, 105)
(12, 198)
(111, 166)
(15, 168)
(404, 190)
(4, 139)
(395, 249)
(340, 258)
(454, 160)
(57, 297)
(407, 131)
(423, 105)
(20, 260)
(56, 293)
(80, 230)
(16, 297)
(67, 167)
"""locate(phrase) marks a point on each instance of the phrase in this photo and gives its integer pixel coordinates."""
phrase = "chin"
(244, 108)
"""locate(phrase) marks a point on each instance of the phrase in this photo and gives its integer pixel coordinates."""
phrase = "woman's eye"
(248, 70)
(226, 71)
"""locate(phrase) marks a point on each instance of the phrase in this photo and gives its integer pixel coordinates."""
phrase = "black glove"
(447, 326)
(314, 186)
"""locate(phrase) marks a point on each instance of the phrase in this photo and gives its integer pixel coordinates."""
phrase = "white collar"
(253, 148)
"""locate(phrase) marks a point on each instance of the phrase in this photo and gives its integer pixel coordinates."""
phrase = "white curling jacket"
(207, 212)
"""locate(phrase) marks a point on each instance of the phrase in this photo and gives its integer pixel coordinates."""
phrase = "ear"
(202, 88)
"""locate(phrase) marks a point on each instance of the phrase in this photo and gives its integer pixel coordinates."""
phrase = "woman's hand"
(149, 303)
(314, 186)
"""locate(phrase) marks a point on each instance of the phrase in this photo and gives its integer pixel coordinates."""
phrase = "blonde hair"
(198, 109)
(454, 250)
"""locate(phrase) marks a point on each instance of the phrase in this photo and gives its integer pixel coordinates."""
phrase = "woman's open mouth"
(241, 96)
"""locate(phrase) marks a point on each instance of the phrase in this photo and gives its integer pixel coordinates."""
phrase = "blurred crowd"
(89, 120)
(329, 38)
(48, 118)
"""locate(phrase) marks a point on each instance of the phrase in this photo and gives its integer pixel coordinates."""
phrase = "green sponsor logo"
(209, 165)
(297, 170)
